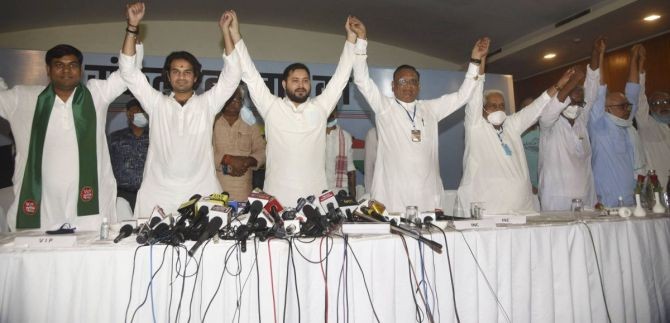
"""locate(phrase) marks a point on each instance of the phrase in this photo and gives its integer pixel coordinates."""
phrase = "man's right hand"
(135, 13)
(234, 27)
(356, 26)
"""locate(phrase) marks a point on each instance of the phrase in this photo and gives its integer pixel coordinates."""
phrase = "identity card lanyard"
(416, 133)
(505, 147)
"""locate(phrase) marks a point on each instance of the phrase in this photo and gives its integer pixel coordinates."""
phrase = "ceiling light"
(651, 17)
(549, 56)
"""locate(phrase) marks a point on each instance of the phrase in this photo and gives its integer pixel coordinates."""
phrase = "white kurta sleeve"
(229, 79)
(590, 88)
(473, 109)
(258, 90)
(525, 118)
(138, 83)
(362, 79)
(448, 103)
(333, 90)
(370, 156)
(552, 112)
(114, 85)
(642, 115)
(8, 102)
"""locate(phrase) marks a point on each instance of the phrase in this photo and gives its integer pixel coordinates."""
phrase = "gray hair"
(488, 93)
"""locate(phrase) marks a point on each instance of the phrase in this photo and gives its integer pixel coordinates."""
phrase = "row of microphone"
(202, 218)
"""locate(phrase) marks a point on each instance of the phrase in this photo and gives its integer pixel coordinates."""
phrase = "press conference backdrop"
(28, 67)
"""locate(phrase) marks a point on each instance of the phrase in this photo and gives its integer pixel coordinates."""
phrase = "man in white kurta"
(180, 161)
(370, 156)
(654, 130)
(60, 166)
(295, 132)
(340, 169)
(565, 148)
(407, 170)
(495, 171)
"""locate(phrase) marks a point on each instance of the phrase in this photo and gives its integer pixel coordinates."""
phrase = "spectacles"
(580, 104)
(412, 82)
(660, 102)
(494, 107)
(624, 106)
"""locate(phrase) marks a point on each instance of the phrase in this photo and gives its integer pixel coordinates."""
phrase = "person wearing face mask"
(239, 147)
(340, 170)
(407, 169)
(495, 171)
(653, 125)
(128, 151)
(617, 152)
(565, 148)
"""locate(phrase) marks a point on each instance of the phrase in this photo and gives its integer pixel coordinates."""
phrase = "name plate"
(475, 224)
(46, 242)
(510, 219)
(366, 228)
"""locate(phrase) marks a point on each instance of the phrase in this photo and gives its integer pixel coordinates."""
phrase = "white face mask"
(496, 118)
(331, 123)
(247, 116)
(140, 120)
(572, 112)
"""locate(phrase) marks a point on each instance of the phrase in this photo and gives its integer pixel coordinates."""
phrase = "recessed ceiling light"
(549, 56)
(651, 17)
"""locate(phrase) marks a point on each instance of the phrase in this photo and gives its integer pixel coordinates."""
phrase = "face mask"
(572, 112)
(661, 118)
(496, 118)
(140, 120)
(247, 116)
(331, 123)
(620, 122)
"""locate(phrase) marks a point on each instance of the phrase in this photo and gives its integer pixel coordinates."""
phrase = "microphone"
(212, 228)
(125, 231)
(372, 216)
(243, 231)
(316, 224)
(145, 228)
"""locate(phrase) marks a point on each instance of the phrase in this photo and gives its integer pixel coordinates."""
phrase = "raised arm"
(530, 114)
(130, 71)
(633, 84)
(448, 103)
(231, 73)
(642, 115)
(594, 74)
(362, 79)
(8, 101)
(333, 90)
(258, 90)
(553, 110)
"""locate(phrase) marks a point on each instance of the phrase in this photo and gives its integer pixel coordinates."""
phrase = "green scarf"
(83, 111)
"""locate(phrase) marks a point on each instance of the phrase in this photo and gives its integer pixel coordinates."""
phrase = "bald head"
(617, 105)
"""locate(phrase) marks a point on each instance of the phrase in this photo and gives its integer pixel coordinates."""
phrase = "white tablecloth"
(540, 273)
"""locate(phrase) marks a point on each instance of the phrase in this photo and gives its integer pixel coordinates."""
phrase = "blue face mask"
(331, 123)
(140, 120)
(248, 116)
(661, 118)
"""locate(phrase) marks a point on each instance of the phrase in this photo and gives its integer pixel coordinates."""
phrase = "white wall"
(203, 39)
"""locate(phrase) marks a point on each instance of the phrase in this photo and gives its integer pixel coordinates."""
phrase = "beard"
(293, 96)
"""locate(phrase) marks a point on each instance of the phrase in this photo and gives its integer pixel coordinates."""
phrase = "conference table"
(554, 268)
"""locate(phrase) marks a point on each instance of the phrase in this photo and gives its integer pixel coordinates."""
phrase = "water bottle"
(104, 229)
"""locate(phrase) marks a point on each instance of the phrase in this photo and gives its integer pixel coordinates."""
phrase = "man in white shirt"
(653, 125)
(340, 170)
(63, 173)
(565, 148)
(407, 171)
(295, 126)
(180, 161)
(495, 171)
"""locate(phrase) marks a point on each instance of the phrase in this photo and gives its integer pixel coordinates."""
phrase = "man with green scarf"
(63, 173)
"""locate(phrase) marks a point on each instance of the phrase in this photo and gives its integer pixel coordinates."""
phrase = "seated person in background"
(239, 148)
(617, 153)
(340, 170)
(128, 151)
(565, 148)
(653, 125)
(495, 171)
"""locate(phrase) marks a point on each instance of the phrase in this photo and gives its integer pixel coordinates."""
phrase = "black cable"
(602, 286)
(367, 290)
(481, 271)
(417, 307)
(244, 285)
(309, 260)
(183, 280)
(132, 277)
(146, 295)
(195, 283)
(295, 280)
(451, 275)
(258, 282)
(225, 265)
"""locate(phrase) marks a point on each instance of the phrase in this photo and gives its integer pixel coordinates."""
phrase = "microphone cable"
(146, 294)
(291, 261)
(367, 290)
(325, 276)
(481, 271)
(151, 281)
(258, 281)
(600, 275)
(419, 313)
(272, 282)
(451, 275)
(229, 252)
(195, 282)
(132, 278)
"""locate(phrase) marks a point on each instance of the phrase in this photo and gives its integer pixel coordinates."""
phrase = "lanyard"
(411, 117)
(505, 147)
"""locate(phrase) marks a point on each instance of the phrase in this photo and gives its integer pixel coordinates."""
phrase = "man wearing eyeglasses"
(565, 150)
(653, 125)
(617, 152)
(407, 171)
